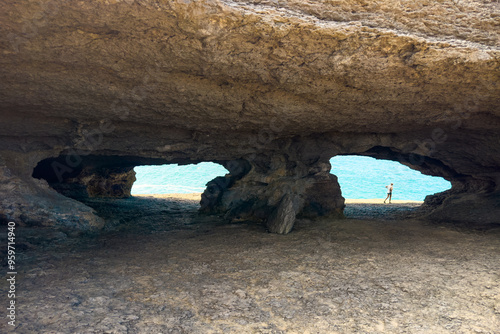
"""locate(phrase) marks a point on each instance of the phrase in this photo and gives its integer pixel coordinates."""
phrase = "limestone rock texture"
(270, 89)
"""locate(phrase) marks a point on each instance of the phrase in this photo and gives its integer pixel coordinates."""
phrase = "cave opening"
(136, 188)
(175, 179)
(128, 192)
(363, 182)
(362, 177)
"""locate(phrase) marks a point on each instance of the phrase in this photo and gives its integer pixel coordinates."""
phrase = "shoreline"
(197, 197)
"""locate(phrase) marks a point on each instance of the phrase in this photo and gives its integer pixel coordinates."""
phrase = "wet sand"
(162, 268)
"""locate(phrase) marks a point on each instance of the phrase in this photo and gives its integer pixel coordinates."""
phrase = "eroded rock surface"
(117, 84)
(274, 190)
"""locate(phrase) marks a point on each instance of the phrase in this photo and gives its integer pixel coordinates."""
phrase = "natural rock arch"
(99, 87)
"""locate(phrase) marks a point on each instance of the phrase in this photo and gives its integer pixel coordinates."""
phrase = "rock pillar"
(274, 190)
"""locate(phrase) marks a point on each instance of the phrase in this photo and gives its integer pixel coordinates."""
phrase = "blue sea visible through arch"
(359, 178)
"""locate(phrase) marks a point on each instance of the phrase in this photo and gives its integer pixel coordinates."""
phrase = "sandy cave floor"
(161, 268)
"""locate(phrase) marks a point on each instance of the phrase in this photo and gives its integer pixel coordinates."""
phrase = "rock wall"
(94, 88)
(32, 202)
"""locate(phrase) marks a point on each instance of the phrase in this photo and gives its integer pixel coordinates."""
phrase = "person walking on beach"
(389, 192)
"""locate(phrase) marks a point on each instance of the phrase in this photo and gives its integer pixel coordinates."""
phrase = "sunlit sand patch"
(197, 197)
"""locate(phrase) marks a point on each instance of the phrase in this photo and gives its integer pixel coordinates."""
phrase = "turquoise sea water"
(168, 179)
(359, 177)
(365, 178)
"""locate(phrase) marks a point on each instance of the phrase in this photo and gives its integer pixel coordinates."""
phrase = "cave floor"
(164, 269)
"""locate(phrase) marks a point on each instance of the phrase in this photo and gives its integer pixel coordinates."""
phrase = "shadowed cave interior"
(98, 181)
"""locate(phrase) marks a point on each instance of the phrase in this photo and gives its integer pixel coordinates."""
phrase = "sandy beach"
(197, 197)
(189, 197)
(380, 201)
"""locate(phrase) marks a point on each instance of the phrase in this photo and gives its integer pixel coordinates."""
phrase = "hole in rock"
(106, 183)
(175, 179)
(363, 182)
